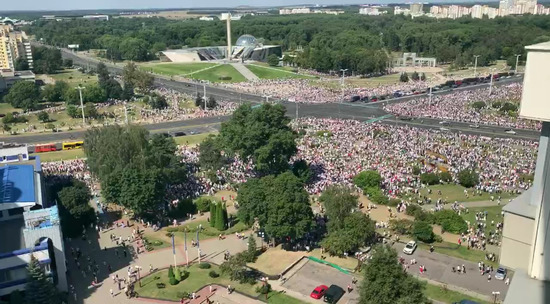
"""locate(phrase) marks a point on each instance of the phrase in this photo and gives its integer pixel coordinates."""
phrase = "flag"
(185, 240)
(173, 245)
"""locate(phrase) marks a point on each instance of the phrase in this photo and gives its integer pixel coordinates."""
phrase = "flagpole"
(185, 245)
(198, 246)
(174, 251)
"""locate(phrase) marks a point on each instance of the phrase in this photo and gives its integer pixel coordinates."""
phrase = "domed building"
(246, 41)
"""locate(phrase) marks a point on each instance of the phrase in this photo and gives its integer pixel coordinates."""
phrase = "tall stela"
(228, 36)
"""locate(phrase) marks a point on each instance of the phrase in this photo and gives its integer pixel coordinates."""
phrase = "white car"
(444, 129)
(444, 123)
(410, 247)
(475, 126)
(510, 131)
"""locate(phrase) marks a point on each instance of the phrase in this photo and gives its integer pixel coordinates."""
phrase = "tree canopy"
(385, 282)
(280, 203)
(23, 94)
(338, 202)
(262, 134)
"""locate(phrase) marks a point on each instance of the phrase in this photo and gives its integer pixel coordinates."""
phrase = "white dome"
(246, 40)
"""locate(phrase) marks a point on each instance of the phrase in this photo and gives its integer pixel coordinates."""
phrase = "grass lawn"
(493, 214)
(192, 140)
(157, 243)
(60, 155)
(438, 293)
(176, 68)
(453, 192)
(273, 73)
(197, 278)
(7, 108)
(461, 252)
(276, 297)
(214, 74)
(74, 77)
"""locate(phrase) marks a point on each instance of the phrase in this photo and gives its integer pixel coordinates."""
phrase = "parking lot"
(313, 274)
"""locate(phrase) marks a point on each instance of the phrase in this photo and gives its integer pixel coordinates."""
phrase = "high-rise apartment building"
(13, 44)
(477, 11)
(417, 9)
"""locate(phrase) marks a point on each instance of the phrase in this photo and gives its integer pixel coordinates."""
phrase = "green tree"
(273, 60)
(415, 76)
(74, 207)
(21, 64)
(127, 92)
(508, 107)
(134, 49)
(133, 77)
(109, 85)
(423, 232)
(43, 116)
(339, 202)
(478, 105)
(221, 216)
(71, 96)
(211, 103)
(301, 169)
(73, 111)
(263, 134)
(93, 93)
(16, 297)
(156, 101)
(446, 177)
(46, 60)
(68, 63)
(429, 178)
(367, 179)
(213, 214)
(203, 204)
(450, 221)
(90, 110)
(404, 77)
(236, 268)
(210, 154)
(385, 282)
(468, 178)
(252, 250)
(357, 230)
(39, 288)
(54, 92)
(23, 94)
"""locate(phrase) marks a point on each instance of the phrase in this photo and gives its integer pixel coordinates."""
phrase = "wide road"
(345, 110)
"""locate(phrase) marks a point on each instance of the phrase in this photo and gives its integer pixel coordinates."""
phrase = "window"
(1, 213)
(15, 211)
(5, 276)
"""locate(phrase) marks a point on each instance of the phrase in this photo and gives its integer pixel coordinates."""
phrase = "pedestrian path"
(245, 71)
(476, 204)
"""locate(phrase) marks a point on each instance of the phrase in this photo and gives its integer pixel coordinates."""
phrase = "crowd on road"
(308, 91)
(458, 106)
(337, 150)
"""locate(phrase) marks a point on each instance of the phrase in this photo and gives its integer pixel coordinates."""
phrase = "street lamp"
(343, 75)
(266, 98)
(491, 84)
(342, 83)
(475, 65)
(80, 88)
(517, 61)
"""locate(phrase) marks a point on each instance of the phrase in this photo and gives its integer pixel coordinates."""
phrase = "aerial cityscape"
(390, 153)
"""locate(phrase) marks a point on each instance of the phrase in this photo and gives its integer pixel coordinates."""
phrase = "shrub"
(445, 176)
(393, 202)
(450, 221)
(478, 105)
(496, 104)
(423, 231)
(183, 295)
(438, 238)
(401, 226)
(161, 285)
(508, 107)
(213, 274)
(205, 266)
(184, 275)
(203, 204)
(172, 281)
(367, 179)
(413, 210)
(177, 274)
(468, 178)
(416, 170)
(225, 78)
(264, 289)
(429, 178)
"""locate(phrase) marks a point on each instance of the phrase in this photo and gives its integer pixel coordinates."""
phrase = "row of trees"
(349, 41)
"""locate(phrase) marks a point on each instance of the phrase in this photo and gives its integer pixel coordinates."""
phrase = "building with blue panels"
(28, 226)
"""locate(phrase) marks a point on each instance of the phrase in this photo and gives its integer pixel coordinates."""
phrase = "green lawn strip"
(176, 68)
(60, 155)
(452, 193)
(192, 140)
(197, 279)
(439, 293)
(493, 214)
(207, 232)
(272, 73)
(461, 252)
(214, 74)
(156, 243)
(73, 76)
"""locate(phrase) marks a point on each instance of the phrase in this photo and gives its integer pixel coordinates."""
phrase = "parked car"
(410, 247)
(501, 273)
(510, 131)
(333, 294)
(475, 126)
(319, 292)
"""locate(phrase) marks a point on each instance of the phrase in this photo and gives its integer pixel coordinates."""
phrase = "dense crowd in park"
(459, 106)
(307, 91)
(339, 149)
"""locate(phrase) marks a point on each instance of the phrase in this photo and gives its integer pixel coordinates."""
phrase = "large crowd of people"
(458, 106)
(307, 91)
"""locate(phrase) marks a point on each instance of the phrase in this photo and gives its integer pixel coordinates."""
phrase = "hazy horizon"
(60, 5)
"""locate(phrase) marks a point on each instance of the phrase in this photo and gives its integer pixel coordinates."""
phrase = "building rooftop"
(539, 46)
(17, 184)
(521, 205)
(527, 290)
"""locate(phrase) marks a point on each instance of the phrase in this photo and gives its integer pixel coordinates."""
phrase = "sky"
(36, 5)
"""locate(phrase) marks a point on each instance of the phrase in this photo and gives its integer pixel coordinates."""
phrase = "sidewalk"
(241, 68)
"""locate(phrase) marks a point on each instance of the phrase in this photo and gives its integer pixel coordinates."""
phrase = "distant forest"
(362, 44)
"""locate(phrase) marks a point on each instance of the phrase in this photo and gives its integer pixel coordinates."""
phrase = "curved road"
(346, 110)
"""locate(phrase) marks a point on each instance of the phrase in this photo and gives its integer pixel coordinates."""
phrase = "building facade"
(13, 44)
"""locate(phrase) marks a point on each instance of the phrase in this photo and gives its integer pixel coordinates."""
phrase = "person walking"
(112, 293)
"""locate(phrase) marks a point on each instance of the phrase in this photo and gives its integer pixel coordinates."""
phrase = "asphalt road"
(345, 110)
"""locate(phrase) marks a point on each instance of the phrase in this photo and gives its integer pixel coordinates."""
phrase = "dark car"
(177, 134)
(333, 294)
(355, 98)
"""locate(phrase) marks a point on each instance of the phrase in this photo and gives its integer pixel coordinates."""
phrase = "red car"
(319, 291)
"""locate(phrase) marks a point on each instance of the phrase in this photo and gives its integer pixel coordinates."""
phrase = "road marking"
(378, 118)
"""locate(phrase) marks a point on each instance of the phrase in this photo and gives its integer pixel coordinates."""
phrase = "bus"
(73, 145)
(45, 148)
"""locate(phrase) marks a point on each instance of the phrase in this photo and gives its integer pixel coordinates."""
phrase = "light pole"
(430, 98)
(491, 84)
(342, 83)
(475, 65)
(79, 88)
(204, 95)
(517, 61)
(266, 98)
(343, 75)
